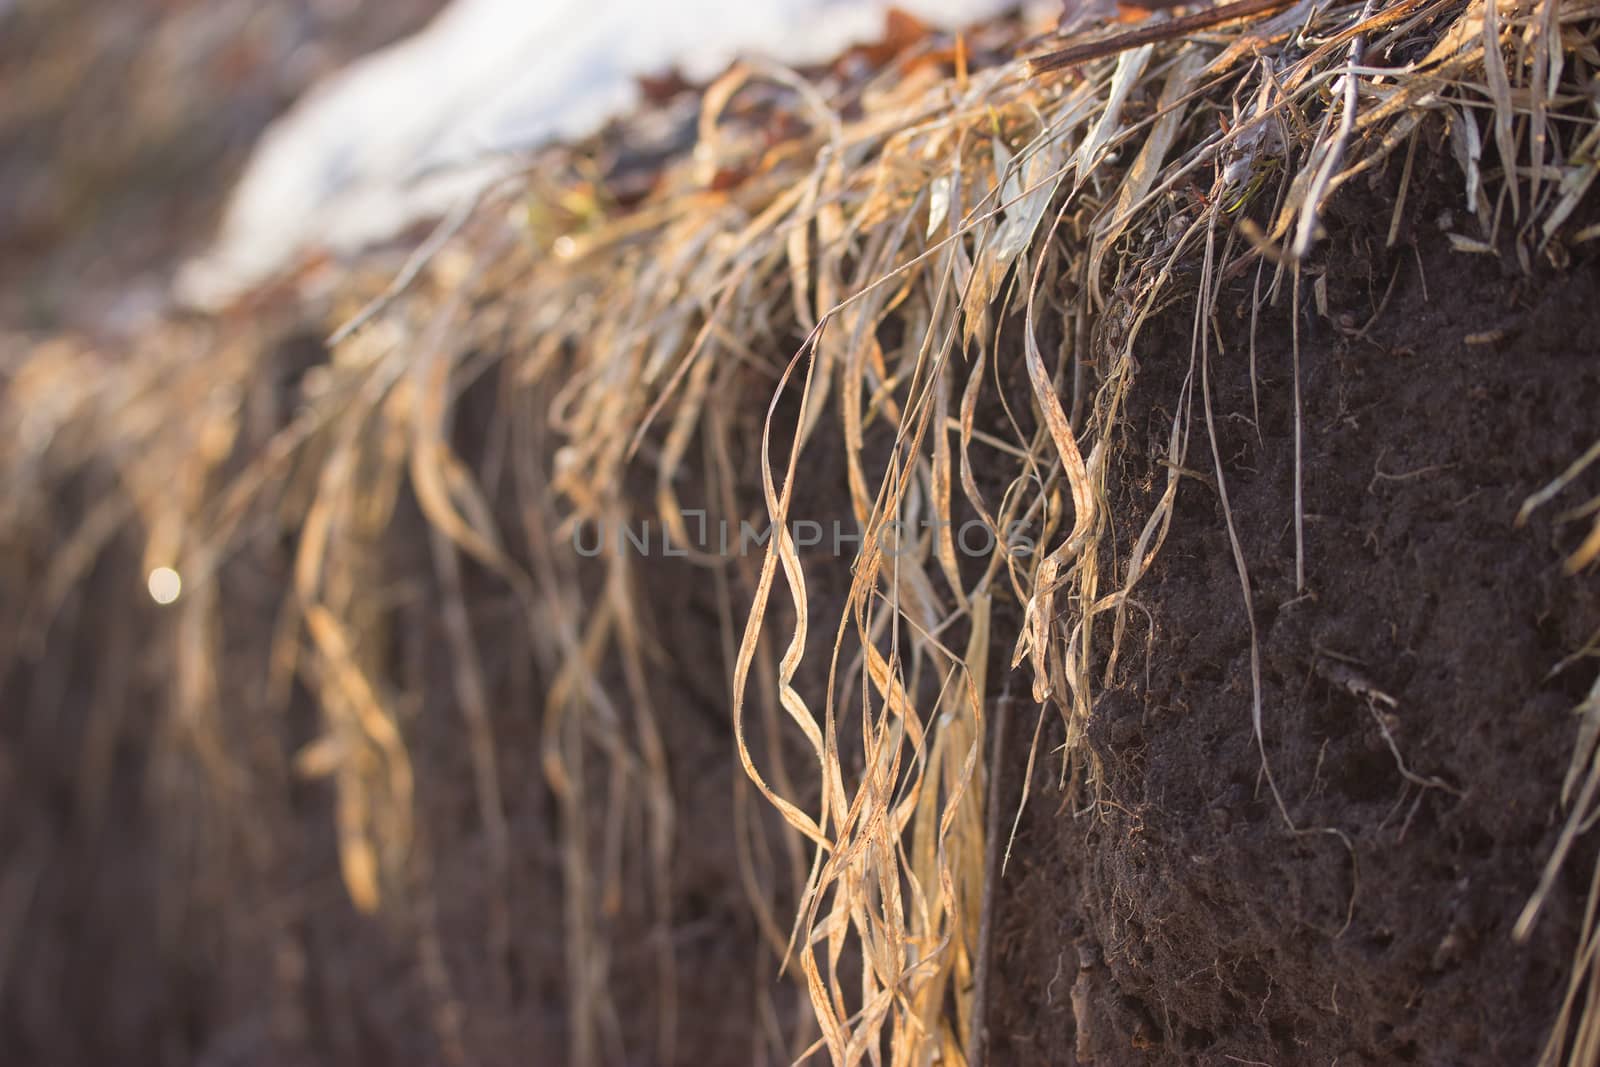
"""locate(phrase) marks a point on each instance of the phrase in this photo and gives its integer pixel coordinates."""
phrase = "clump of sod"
(914, 227)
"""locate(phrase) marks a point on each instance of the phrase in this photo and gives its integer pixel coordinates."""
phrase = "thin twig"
(447, 228)
(1152, 32)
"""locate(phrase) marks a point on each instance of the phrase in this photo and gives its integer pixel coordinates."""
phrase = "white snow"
(406, 132)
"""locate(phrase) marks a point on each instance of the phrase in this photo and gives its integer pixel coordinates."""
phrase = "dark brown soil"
(1179, 919)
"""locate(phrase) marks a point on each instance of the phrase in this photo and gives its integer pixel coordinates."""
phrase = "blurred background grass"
(122, 126)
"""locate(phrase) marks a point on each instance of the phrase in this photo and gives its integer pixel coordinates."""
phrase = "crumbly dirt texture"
(1176, 917)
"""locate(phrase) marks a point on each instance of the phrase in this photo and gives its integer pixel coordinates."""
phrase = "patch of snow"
(407, 132)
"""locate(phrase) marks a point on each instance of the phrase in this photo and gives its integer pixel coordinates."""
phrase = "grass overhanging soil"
(812, 318)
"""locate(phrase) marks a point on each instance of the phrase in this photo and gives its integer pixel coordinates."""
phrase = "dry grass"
(916, 227)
